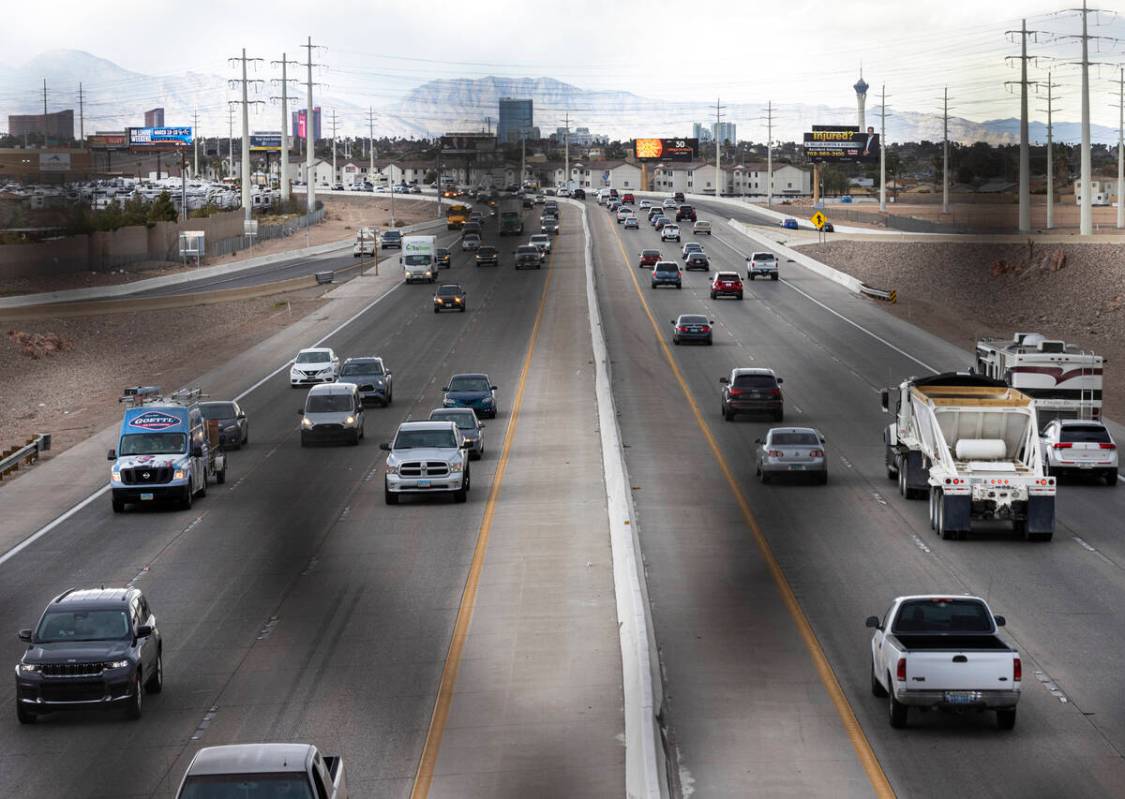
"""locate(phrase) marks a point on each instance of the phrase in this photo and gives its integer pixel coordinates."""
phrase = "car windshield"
(539, 239)
(448, 291)
(218, 410)
(280, 785)
(487, 251)
(651, 253)
(693, 247)
(312, 357)
(153, 444)
(1084, 434)
(469, 383)
(691, 319)
(392, 234)
(465, 421)
(362, 368)
(329, 403)
(83, 625)
(755, 381)
(941, 616)
(794, 439)
(527, 249)
(442, 252)
(425, 439)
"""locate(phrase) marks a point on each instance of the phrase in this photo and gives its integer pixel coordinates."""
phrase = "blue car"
(471, 391)
(789, 223)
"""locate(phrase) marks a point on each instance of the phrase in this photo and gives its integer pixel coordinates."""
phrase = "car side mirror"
(25, 635)
(197, 450)
(480, 426)
(493, 388)
(300, 412)
(111, 455)
(466, 444)
(712, 321)
(885, 400)
(780, 381)
(144, 631)
(385, 447)
(757, 441)
(241, 416)
(1000, 621)
(725, 381)
(873, 622)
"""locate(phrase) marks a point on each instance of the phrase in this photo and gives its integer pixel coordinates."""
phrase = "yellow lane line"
(879, 782)
(425, 774)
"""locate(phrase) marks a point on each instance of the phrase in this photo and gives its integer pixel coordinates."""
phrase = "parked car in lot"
(372, 377)
(697, 260)
(332, 413)
(762, 264)
(692, 327)
(1080, 447)
(234, 428)
(314, 365)
(669, 232)
(796, 451)
(666, 273)
(648, 258)
(93, 649)
(487, 254)
(471, 390)
(752, 390)
(943, 652)
(726, 284)
(390, 240)
(264, 770)
(469, 425)
(701, 226)
(631, 222)
(449, 297)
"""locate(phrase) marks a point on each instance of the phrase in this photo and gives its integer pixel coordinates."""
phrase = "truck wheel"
(185, 501)
(939, 520)
(136, 701)
(203, 488)
(1006, 718)
(24, 715)
(877, 688)
(118, 506)
(897, 712)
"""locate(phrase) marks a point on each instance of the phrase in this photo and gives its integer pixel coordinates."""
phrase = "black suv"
(92, 649)
(685, 212)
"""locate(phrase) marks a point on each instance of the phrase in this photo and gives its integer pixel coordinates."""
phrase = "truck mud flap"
(1040, 518)
(956, 514)
(918, 477)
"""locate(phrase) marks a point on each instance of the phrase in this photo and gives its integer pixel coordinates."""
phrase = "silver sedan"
(791, 450)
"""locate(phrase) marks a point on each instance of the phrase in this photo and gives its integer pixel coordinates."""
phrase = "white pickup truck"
(264, 769)
(940, 651)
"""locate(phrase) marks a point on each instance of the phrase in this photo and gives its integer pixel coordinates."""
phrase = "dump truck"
(970, 444)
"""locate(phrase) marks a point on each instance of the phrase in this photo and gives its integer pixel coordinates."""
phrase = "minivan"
(332, 412)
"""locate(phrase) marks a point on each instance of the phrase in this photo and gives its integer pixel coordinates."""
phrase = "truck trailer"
(971, 445)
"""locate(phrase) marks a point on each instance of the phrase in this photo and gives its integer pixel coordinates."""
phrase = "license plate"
(1085, 466)
(960, 697)
(796, 466)
(146, 497)
(423, 483)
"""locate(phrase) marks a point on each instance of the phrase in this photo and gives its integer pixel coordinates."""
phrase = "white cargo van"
(418, 258)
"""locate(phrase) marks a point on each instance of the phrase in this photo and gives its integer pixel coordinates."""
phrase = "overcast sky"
(795, 51)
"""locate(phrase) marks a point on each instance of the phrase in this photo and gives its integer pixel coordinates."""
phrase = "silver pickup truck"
(942, 651)
(267, 769)
(427, 458)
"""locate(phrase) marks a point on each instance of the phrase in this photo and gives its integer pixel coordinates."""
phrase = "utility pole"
(883, 150)
(245, 103)
(1025, 147)
(769, 153)
(333, 148)
(1050, 153)
(566, 150)
(523, 158)
(1121, 149)
(310, 143)
(945, 154)
(230, 140)
(46, 135)
(284, 62)
(81, 114)
(195, 143)
(371, 147)
(718, 150)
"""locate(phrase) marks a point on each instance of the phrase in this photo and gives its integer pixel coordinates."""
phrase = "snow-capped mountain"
(117, 98)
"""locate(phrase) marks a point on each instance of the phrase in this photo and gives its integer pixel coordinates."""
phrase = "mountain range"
(117, 98)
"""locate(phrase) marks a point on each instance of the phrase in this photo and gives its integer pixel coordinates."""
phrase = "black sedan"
(234, 429)
(692, 327)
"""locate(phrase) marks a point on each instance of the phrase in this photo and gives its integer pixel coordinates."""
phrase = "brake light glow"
(1017, 669)
(681, 329)
(775, 393)
(1062, 445)
(900, 670)
(706, 328)
(1107, 446)
(735, 392)
(816, 453)
(775, 453)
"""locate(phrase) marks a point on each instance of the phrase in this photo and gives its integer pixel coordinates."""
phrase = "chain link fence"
(265, 233)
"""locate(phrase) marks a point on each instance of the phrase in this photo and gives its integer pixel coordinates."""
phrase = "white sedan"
(314, 365)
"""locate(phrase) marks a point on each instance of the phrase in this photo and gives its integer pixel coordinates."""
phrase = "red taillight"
(681, 329)
(1062, 445)
(1017, 669)
(900, 671)
(775, 453)
(775, 393)
(816, 453)
(1107, 446)
(706, 329)
(735, 392)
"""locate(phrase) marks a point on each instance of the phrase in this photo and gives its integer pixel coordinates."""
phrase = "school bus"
(456, 216)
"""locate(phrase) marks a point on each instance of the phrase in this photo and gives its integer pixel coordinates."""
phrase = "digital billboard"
(841, 144)
(265, 142)
(665, 149)
(157, 137)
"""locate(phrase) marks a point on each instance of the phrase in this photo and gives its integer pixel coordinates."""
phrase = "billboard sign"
(265, 142)
(666, 149)
(841, 144)
(467, 143)
(107, 141)
(150, 137)
(54, 162)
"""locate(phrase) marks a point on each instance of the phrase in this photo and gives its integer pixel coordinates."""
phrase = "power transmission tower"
(245, 103)
(883, 150)
(1086, 219)
(769, 153)
(1025, 147)
(310, 140)
(81, 114)
(566, 150)
(1121, 149)
(945, 153)
(284, 100)
(1050, 110)
(719, 148)
(46, 132)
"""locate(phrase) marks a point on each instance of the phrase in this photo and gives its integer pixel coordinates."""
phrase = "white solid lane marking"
(42, 531)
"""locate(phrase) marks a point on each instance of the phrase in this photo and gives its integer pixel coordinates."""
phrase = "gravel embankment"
(1075, 292)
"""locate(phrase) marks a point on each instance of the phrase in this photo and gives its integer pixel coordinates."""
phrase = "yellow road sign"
(818, 219)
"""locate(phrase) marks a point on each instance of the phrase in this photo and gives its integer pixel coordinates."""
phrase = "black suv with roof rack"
(95, 648)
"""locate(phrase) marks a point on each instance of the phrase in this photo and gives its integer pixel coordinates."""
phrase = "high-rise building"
(724, 132)
(154, 118)
(56, 126)
(861, 99)
(516, 120)
(299, 123)
(701, 132)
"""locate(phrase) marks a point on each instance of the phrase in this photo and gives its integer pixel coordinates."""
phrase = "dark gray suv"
(95, 648)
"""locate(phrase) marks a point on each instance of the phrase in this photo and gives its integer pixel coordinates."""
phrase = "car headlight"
(117, 664)
(306, 423)
(392, 468)
(26, 668)
(349, 421)
(115, 477)
(295, 372)
(179, 474)
(456, 467)
(437, 301)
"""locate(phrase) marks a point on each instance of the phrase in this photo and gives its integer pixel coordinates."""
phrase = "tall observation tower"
(861, 99)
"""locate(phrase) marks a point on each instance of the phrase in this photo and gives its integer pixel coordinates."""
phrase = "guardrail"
(14, 457)
(889, 295)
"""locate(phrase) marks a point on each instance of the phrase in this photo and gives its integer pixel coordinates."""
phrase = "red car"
(628, 199)
(649, 258)
(726, 284)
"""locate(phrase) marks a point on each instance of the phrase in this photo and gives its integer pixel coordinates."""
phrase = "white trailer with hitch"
(971, 445)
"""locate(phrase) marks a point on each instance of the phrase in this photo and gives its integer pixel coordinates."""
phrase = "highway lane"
(846, 550)
(293, 603)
